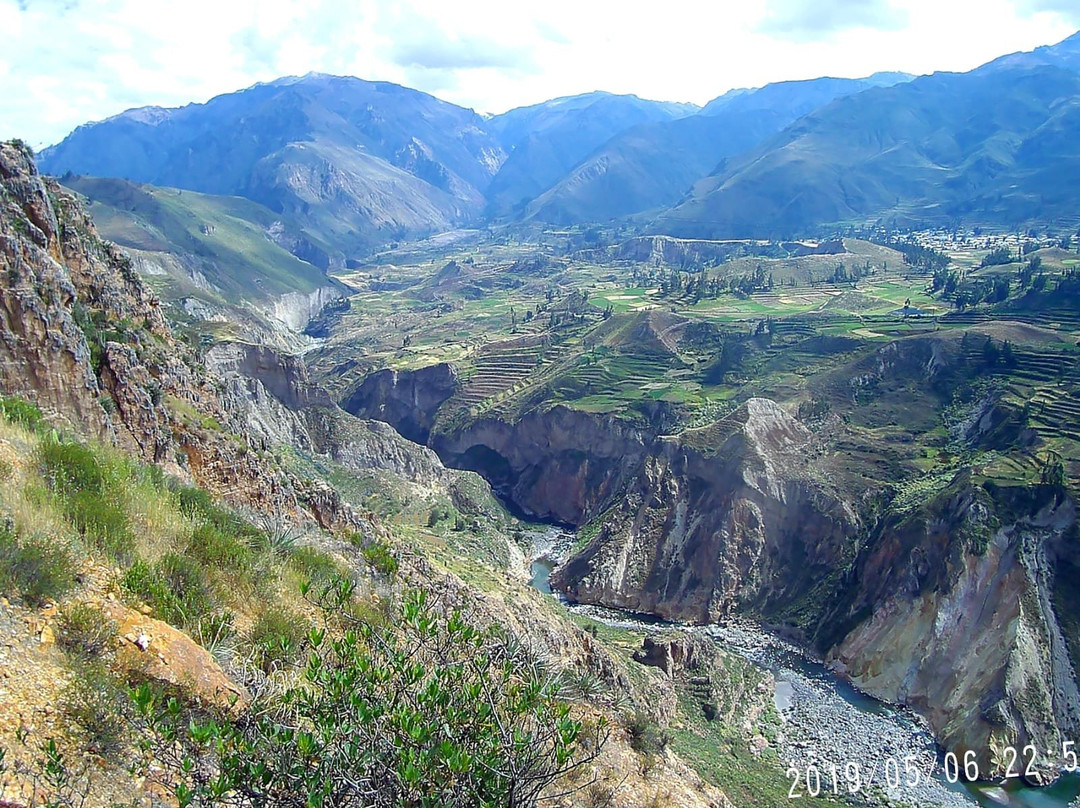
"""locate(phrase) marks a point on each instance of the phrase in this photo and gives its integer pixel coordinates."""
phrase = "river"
(826, 721)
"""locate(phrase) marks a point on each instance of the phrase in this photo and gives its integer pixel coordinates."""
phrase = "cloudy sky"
(65, 62)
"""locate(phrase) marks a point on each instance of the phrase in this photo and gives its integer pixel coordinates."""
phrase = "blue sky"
(66, 62)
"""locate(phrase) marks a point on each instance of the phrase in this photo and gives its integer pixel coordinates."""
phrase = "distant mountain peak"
(151, 116)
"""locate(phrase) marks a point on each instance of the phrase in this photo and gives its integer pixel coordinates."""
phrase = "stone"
(155, 650)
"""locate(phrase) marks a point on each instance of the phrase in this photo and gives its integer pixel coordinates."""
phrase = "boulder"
(155, 650)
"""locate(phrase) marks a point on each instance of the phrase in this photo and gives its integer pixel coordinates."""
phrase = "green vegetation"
(381, 558)
(34, 568)
(427, 710)
(176, 588)
(276, 638)
(85, 632)
(21, 412)
(91, 486)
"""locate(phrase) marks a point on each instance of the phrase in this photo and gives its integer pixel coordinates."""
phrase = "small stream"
(826, 719)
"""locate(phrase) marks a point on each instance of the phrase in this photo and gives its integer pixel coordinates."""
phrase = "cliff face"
(408, 400)
(947, 601)
(272, 400)
(559, 464)
(82, 337)
(54, 272)
(953, 614)
(725, 518)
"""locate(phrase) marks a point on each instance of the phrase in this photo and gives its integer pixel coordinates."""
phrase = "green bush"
(314, 565)
(214, 547)
(199, 506)
(20, 411)
(425, 711)
(91, 488)
(85, 631)
(104, 522)
(276, 638)
(35, 568)
(194, 503)
(380, 557)
(95, 701)
(177, 589)
(646, 737)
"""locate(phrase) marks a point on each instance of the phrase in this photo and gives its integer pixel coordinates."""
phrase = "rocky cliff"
(722, 519)
(408, 400)
(558, 464)
(82, 336)
(951, 610)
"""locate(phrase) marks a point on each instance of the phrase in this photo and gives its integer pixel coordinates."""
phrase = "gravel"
(823, 728)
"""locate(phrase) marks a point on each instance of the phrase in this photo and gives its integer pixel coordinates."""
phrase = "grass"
(228, 233)
(85, 632)
(276, 638)
(91, 486)
(21, 412)
(177, 588)
(34, 568)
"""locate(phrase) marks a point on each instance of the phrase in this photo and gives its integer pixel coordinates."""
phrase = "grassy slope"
(226, 235)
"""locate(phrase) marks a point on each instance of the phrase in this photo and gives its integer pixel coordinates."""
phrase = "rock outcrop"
(408, 400)
(150, 649)
(950, 611)
(559, 464)
(83, 337)
(725, 518)
(948, 605)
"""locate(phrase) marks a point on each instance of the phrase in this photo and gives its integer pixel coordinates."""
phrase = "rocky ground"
(821, 728)
(854, 735)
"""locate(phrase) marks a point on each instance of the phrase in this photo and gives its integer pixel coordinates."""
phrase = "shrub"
(194, 503)
(20, 411)
(646, 737)
(95, 701)
(85, 631)
(276, 638)
(314, 565)
(91, 488)
(212, 546)
(177, 589)
(104, 522)
(380, 557)
(428, 710)
(35, 568)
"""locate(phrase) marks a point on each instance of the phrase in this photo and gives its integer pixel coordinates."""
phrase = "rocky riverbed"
(839, 740)
(828, 725)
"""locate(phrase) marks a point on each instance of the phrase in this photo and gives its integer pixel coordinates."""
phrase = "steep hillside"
(546, 140)
(910, 510)
(214, 258)
(653, 166)
(989, 145)
(356, 162)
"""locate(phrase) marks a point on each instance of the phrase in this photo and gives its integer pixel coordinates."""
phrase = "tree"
(1008, 356)
(997, 257)
(424, 710)
(1053, 471)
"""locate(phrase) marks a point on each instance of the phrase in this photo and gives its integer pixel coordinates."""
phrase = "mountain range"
(351, 165)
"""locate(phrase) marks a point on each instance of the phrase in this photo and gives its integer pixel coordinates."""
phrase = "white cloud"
(69, 61)
(814, 19)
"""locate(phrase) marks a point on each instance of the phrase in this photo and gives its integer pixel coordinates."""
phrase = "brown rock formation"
(155, 650)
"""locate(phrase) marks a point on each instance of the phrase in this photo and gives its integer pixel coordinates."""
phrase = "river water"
(827, 722)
